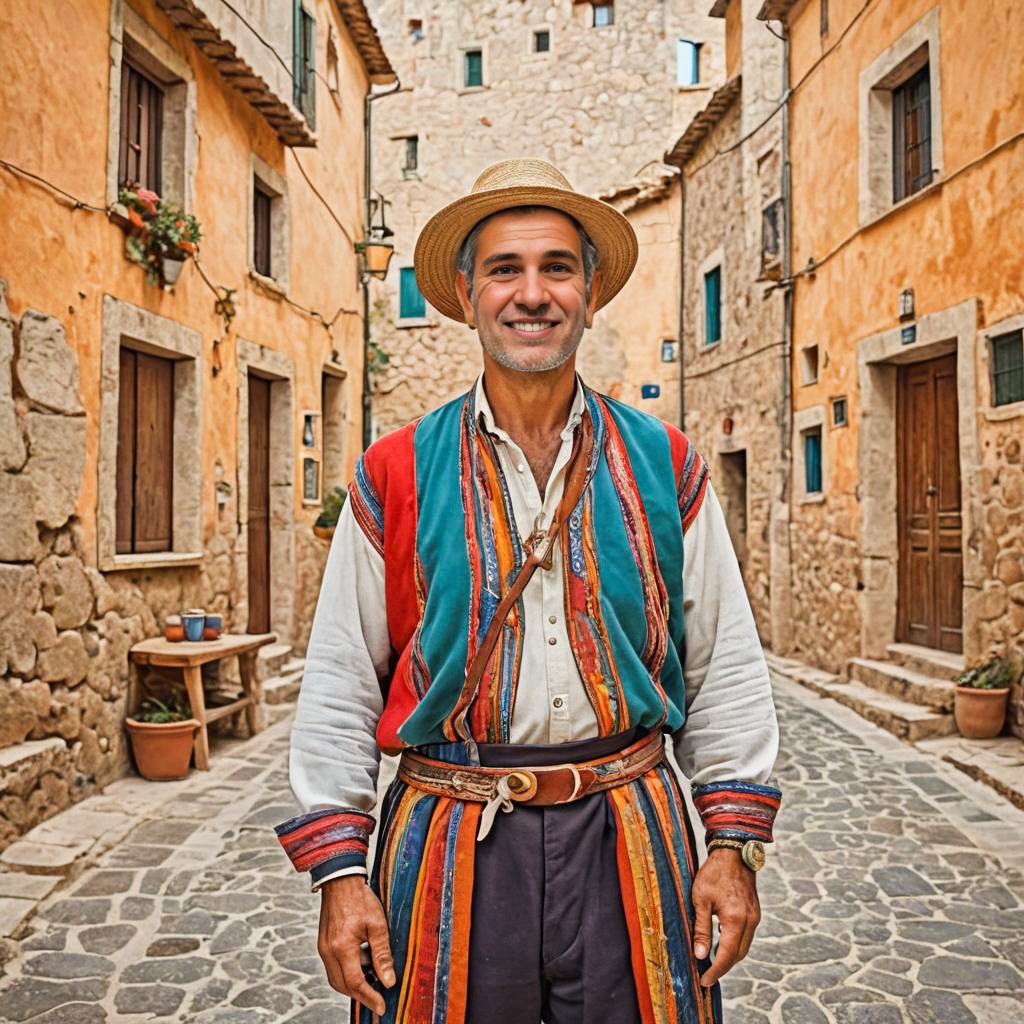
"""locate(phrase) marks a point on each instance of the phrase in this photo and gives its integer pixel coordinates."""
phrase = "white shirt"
(730, 731)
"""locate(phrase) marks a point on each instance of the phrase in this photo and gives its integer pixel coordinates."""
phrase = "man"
(504, 604)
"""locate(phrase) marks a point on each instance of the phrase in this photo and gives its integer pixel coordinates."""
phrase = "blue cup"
(193, 625)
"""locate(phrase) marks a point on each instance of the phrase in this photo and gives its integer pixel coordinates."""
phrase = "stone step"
(926, 660)
(284, 689)
(902, 682)
(907, 721)
(270, 660)
(815, 679)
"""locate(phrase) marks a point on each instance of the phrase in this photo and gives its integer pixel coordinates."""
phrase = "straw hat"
(524, 182)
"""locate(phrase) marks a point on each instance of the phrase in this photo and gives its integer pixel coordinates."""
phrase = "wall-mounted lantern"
(375, 251)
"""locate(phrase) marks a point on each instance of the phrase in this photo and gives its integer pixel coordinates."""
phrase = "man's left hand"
(725, 887)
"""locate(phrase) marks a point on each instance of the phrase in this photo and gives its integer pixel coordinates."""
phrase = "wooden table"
(190, 657)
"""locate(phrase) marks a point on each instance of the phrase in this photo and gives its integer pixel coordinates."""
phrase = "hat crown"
(524, 172)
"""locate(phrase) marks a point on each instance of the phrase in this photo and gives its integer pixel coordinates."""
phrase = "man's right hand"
(350, 914)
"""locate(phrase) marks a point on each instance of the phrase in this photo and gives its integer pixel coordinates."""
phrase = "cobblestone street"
(885, 898)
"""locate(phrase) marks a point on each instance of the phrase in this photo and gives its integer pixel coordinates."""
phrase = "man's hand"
(350, 914)
(725, 887)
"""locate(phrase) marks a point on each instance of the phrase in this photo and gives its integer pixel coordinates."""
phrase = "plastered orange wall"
(54, 99)
(962, 239)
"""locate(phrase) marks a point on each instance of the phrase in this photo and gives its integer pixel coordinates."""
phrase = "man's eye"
(498, 270)
(560, 268)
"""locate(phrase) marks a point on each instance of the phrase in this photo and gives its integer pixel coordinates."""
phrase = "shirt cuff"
(324, 841)
(319, 879)
(737, 810)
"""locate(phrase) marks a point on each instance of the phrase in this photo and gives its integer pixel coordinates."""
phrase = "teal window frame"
(687, 62)
(713, 306)
(1008, 368)
(411, 304)
(473, 68)
(812, 461)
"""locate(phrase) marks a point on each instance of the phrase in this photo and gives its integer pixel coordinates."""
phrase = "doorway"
(929, 520)
(259, 505)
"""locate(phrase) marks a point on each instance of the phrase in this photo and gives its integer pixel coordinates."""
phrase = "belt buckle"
(521, 784)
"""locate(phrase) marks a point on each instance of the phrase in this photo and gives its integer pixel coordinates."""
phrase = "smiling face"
(528, 300)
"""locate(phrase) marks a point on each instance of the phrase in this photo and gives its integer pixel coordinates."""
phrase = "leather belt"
(545, 786)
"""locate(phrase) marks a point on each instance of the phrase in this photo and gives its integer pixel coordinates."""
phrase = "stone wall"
(602, 105)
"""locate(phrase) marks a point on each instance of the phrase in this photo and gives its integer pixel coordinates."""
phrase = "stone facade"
(601, 104)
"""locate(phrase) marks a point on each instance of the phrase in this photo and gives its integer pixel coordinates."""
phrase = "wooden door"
(259, 505)
(930, 609)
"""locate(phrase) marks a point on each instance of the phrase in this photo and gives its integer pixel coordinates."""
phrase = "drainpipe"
(363, 277)
(682, 298)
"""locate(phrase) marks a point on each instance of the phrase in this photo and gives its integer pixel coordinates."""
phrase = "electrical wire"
(316, 192)
(732, 362)
(76, 203)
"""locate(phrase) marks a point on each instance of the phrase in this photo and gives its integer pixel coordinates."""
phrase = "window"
(809, 364)
(732, 490)
(305, 64)
(415, 30)
(839, 418)
(541, 42)
(145, 452)
(412, 154)
(332, 442)
(411, 304)
(911, 141)
(604, 15)
(142, 125)
(261, 221)
(1008, 368)
(473, 68)
(812, 461)
(687, 62)
(713, 306)
(771, 241)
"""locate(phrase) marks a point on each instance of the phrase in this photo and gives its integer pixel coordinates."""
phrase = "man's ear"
(462, 290)
(595, 291)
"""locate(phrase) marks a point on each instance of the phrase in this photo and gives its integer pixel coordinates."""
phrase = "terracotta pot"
(980, 713)
(162, 749)
(174, 633)
(323, 532)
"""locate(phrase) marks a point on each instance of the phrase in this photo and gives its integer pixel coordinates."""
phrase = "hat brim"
(437, 248)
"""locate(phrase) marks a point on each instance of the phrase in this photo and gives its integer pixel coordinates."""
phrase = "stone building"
(166, 445)
(735, 365)
(598, 89)
(907, 517)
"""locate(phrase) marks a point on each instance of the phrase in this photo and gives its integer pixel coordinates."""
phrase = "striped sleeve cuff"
(737, 810)
(322, 842)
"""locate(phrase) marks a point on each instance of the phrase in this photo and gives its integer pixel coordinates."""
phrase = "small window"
(415, 29)
(541, 41)
(412, 154)
(142, 128)
(812, 461)
(713, 306)
(912, 135)
(411, 304)
(1008, 368)
(604, 15)
(809, 364)
(262, 202)
(839, 412)
(305, 64)
(771, 241)
(473, 73)
(687, 62)
(145, 453)
(823, 17)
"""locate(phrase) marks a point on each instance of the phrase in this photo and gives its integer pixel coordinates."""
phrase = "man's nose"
(532, 291)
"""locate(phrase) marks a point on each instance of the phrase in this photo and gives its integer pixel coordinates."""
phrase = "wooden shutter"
(812, 461)
(125, 483)
(261, 207)
(258, 555)
(411, 303)
(142, 119)
(154, 452)
(712, 305)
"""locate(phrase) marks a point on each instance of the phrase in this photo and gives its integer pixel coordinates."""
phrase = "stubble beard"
(512, 358)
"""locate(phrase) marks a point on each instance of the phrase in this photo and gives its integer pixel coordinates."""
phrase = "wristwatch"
(751, 852)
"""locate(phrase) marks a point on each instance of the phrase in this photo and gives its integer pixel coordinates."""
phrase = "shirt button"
(552, 619)
(557, 702)
(521, 468)
(552, 641)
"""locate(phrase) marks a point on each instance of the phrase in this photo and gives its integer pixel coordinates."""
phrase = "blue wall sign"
(650, 390)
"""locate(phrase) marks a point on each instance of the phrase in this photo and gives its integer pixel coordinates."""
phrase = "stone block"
(19, 537)
(43, 858)
(66, 591)
(56, 461)
(103, 592)
(65, 662)
(47, 367)
(80, 824)
(26, 887)
(13, 914)
(12, 447)
(21, 706)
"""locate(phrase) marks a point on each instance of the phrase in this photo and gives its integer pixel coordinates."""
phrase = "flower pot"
(170, 268)
(162, 749)
(323, 532)
(980, 713)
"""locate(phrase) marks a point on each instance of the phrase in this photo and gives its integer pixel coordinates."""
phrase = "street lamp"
(375, 251)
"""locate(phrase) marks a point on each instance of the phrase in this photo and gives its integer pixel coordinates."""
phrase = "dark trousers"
(548, 939)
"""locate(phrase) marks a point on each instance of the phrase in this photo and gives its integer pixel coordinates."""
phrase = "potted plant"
(328, 518)
(161, 236)
(161, 738)
(981, 695)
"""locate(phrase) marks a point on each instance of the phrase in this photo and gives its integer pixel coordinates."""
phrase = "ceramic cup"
(193, 623)
(213, 627)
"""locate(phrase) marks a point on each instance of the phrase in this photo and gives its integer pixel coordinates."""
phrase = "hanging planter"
(161, 236)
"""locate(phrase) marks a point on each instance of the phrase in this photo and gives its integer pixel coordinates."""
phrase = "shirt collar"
(484, 411)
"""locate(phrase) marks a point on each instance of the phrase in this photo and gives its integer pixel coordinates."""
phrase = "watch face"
(753, 855)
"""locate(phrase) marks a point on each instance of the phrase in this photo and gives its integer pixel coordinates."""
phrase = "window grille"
(812, 461)
(1008, 368)
(474, 68)
(713, 306)
(912, 142)
(411, 304)
(142, 126)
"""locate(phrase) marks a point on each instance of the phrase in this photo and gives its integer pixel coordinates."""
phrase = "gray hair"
(466, 261)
